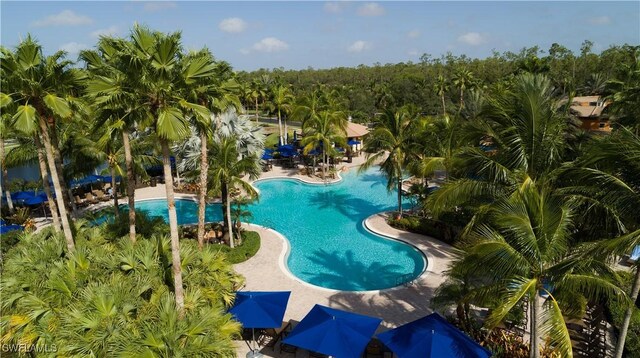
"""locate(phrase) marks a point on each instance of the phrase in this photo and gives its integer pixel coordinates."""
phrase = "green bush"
(425, 226)
(146, 225)
(115, 298)
(241, 253)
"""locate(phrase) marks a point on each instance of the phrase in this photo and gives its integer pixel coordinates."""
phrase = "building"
(590, 110)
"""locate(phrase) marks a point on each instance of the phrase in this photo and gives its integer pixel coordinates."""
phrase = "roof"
(356, 130)
(588, 106)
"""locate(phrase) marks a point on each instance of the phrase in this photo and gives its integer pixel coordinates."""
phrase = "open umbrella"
(431, 336)
(7, 228)
(260, 309)
(333, 332)
(353, 142)
(23, 195)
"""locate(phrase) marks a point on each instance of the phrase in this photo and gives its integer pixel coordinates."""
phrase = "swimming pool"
(329, 246)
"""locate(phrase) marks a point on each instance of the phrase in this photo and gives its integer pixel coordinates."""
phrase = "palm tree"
(213, 88)
(39, 88)
(4, 129)
(226, 172)
(527, 130)
(282, 101)
(625, 92)
(390, 142)
(608, 176)
(441, 87)
(164, 78)
(463, 79)
(324, 130)
(111, 87)
(522, 251)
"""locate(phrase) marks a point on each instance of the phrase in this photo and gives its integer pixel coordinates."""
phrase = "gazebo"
(355, 134)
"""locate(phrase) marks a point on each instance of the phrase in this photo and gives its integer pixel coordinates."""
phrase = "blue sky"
(297, 35)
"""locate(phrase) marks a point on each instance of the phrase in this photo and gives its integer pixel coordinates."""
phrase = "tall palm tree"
(111, 87)
(4, 130)
(211, 85)
(522, 251)
(463, 79)
(256, 92)
(324, 130)
(390, 142)
(282, 100)
(226, 172)
(39, 88)
(441, 87)
(528, 131)
(164, 79)
(609, 173)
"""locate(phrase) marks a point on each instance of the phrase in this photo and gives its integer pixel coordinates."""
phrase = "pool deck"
(266, 271)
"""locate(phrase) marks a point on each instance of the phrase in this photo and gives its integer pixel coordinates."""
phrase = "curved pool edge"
(286, 250)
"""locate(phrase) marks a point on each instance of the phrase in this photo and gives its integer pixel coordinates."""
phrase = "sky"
(318, 34)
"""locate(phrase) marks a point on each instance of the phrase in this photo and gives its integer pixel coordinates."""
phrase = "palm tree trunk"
(257, 110)
(4, 177)
(628, 314)
(202, 194)
(461, 98)
(280, 128)
(176, 262)
(444, 107)
(226, 214)
(55, 177)
(68, 198)
(130, 185)
(399, 196)
(229, 223)
(324, 165)
(42, 162)
(535, 307)
(114, 190)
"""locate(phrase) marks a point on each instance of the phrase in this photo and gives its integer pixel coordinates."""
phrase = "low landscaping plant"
(249, 247)
(115, 298)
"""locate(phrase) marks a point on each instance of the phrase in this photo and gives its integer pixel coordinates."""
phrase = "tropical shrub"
(425, 226)
(115, 298)
(250, 244)
(146, 225)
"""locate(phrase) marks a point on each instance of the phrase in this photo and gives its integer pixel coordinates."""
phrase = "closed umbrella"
(260, 309)
(431, 336)
(333, 332)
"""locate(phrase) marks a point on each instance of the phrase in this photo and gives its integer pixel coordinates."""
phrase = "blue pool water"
(323, 223)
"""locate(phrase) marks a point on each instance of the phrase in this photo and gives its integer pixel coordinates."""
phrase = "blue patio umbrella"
(107, 179)
(635, 254)
(431, 336)
(36, 200)
(267, 156)
(260, 309)
(333, 332)
(23, 195)
(7, 228)
(353, 142)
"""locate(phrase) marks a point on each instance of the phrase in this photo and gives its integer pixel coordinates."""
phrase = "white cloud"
(232, 25)
(413, 33)
(73, 48)
(359, 46)
(334, 6)
(600, 20)
(65, 18)
(152, 6)
(268, 44)
(371, 9)
(472, 38)
(109, 31)
(412, 52)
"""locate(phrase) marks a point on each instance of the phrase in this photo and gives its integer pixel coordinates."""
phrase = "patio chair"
(101, 195)
(90, 199)
(269, 337)
(79, 202)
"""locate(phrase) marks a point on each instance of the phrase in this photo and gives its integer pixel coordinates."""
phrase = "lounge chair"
(269, 337)
(101, 195)
(90, 199)
(79, 202)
